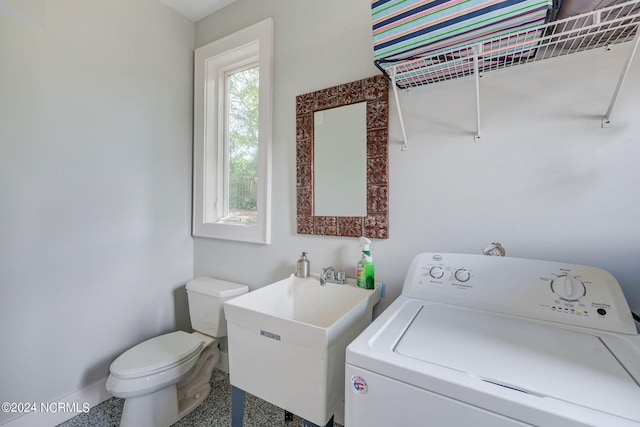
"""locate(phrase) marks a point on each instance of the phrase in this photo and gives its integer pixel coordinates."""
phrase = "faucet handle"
(329, 275)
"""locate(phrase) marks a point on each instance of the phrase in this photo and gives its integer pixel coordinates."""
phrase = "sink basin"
(287, 342)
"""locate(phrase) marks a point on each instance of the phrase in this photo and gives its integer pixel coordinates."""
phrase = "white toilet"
(166, 377)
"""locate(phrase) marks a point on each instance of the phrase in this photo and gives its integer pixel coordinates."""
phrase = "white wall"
(546, 180)
(95, 185)
(95, 164)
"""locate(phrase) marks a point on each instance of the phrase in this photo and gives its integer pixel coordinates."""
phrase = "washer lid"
(526, 356)
(156, 355)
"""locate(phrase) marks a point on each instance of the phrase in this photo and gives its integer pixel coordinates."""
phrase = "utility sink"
(287, 342)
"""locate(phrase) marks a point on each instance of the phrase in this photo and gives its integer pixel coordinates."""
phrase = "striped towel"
(405, 29)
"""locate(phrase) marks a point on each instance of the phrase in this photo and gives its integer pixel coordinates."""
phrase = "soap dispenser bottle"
(365, 270)
(303, 266)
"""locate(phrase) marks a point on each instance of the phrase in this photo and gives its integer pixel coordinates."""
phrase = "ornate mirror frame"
(375, 91)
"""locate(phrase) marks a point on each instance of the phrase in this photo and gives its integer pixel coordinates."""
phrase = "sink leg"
(288, 416)
(238, 397)
(307, 423)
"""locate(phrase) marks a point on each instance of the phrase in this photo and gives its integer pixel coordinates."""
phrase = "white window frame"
(251, 44)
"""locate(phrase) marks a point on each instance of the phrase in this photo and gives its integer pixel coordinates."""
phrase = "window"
(232, 136)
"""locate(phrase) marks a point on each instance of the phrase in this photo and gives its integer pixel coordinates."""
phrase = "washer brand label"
(359, 384)
(270, 335)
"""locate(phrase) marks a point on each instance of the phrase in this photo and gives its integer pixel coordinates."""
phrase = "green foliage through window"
(242, 137)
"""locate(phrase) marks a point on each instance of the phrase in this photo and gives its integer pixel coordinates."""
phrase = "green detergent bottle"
(365, 270)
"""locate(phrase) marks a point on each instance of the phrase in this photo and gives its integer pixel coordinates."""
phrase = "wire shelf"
(600, 28)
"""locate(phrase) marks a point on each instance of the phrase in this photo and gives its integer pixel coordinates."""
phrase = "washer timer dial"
(462, 275)
(436, 272)
(568, 288)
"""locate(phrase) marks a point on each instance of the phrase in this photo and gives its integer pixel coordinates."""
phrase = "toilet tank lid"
(216, 287)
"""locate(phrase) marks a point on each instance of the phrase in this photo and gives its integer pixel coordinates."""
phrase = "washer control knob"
(568, 288)
(436, 272)
(462, 275)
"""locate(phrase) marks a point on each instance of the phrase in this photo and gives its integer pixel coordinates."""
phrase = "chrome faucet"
(329, 276)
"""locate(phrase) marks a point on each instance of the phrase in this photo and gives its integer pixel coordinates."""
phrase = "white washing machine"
(497, 341)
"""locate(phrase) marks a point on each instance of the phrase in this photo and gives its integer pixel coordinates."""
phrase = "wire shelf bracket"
(606, 120)
(601, 28)
(399, 108)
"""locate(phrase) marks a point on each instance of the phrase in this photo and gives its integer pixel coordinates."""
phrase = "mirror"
(339, 158)
(342, 160)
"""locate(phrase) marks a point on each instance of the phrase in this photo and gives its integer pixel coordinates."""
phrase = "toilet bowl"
(166, 377)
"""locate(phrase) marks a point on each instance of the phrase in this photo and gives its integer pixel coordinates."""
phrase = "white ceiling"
(196, 9)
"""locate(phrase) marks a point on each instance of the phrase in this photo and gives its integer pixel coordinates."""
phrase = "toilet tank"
(206, 296)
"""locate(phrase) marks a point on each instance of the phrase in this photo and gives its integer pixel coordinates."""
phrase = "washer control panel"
(565, 293)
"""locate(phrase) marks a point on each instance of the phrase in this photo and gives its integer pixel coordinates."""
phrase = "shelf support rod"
(606, 121)
(476, 72)
(395, 95)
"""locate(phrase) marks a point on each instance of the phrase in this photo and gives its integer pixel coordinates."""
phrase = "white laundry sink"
(287, 342)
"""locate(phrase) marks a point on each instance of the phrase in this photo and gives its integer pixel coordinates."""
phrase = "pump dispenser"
(303, 266)
(365, 270)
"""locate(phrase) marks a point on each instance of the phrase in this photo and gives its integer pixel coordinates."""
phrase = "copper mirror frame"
(375, 91)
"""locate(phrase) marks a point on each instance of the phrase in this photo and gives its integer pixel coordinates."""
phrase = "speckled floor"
(213, 412)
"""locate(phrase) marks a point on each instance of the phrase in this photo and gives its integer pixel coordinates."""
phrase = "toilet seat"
(156, 355)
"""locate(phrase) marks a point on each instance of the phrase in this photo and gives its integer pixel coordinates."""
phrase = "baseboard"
(61, 410)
